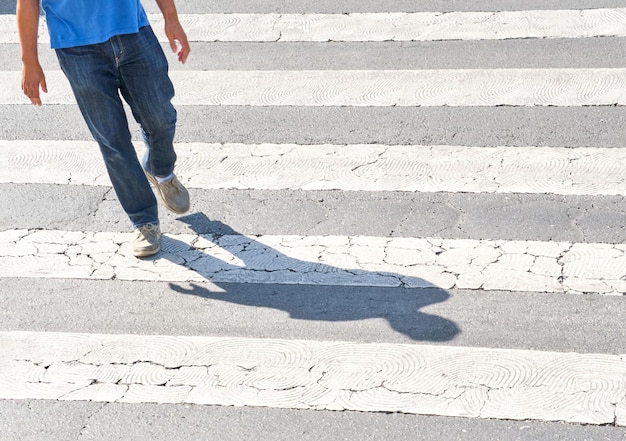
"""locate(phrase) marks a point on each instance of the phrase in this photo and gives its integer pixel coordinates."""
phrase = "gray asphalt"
(482, 54)
(45, 421)
(386, 214)
(478, 126)
(530, 321)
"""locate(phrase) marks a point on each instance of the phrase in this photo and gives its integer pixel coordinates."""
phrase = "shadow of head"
(306, 290)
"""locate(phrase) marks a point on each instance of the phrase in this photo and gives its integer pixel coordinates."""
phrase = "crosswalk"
(292, 221)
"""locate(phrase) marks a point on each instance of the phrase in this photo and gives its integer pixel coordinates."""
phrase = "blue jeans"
(134, 66)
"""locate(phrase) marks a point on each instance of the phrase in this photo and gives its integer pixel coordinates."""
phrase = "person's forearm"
(33, 78)
(174, 30)
(27, 13)
(168, 9)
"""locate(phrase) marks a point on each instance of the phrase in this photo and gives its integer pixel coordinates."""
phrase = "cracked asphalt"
(447, 215)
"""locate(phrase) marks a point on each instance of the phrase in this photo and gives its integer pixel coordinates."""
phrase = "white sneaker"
(173, 194)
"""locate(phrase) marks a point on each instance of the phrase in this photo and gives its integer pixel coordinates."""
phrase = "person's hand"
(175, 33)
(32, 79)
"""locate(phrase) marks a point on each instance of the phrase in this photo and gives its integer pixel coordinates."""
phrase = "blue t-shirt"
(81, 22)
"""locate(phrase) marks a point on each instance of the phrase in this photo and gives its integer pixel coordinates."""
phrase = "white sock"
(161, 180)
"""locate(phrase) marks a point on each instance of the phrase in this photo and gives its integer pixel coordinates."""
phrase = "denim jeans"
(134, 66)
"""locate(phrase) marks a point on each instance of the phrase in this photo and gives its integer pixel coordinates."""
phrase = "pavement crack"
(90, 417)
(484, 403)
(103, 199)
(367, 164)
(459, 220)
(560, 261)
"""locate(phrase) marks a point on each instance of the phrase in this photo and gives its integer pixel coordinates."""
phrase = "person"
(106, 48)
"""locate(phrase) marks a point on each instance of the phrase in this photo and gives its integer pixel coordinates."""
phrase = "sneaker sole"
(146, 253)
(155, 184)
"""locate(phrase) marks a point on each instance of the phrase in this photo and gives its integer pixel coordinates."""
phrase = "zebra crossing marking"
(368, 27)
(514, 265)
(418, 379)
(373, 88)
(411, 168)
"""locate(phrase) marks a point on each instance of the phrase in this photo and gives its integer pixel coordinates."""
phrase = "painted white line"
(417, 379)
(473, 87)
(554, 170)
(420, 26)
(322, 260)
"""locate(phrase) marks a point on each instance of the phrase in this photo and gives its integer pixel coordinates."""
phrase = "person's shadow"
(309, 292)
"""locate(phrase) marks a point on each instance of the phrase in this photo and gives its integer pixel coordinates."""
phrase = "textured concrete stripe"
(580, 171)
(463, 87)
(351, 6)
(418, 379)
(347, 6)
(421, 26)
(322, 260)
(427, 26)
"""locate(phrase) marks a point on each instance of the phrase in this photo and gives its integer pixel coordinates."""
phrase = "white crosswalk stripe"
(373, 167)
(435, 379)
(470, 382)
(424, 26)
(492, 87)
(335, 260)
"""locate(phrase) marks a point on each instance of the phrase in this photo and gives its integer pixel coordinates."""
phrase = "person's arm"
(27, 12)
(173, 29)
